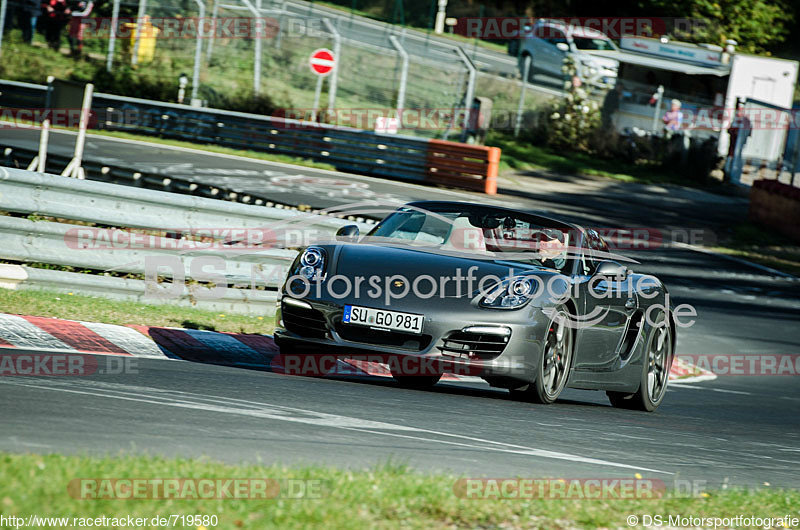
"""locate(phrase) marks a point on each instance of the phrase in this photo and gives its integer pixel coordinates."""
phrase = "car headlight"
(509, 294)
(312, 262)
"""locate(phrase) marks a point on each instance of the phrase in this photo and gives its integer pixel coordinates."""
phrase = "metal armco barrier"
(251, 272)
(463, 165)
(354, 150)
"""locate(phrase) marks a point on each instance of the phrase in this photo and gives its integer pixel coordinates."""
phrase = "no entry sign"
(322, 61)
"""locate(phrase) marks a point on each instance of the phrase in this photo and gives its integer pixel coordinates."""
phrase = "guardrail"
(101, 239)
(365, 152)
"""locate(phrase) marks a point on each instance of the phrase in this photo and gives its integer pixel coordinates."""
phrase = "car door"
(555, 57)
(609, 304)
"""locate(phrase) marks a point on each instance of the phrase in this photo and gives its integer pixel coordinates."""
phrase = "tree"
(757, 25)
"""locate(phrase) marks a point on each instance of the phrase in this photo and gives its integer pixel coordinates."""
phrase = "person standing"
(673, 119)
(56, 14)
(75, 36)
(739, 131)
(27, 15)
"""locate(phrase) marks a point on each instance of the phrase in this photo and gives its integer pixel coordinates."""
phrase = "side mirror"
(563, 46)
(347, 233)
(611, 269)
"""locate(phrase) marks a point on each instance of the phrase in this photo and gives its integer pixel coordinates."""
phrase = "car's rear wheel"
(416, 381)
(554, 365)
(655, 372)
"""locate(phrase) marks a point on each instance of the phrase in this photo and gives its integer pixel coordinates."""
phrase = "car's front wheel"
(553, 369)
(655, 373)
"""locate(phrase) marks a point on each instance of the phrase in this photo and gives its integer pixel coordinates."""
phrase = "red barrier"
(460, 165)
(776, 206)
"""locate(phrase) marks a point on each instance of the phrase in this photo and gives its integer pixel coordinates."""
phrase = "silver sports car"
(527, 303)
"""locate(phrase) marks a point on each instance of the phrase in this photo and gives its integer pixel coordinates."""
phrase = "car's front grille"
(303, 321)
(474, 345)
(394, 339)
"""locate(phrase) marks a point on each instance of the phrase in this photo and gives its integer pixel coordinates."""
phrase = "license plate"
(381, 318)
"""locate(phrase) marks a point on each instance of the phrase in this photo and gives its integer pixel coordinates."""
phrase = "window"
(585, 43)
(556, 36)
(597, 250)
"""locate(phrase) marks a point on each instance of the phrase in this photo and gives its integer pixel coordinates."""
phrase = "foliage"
(573, 121)
(757, 25)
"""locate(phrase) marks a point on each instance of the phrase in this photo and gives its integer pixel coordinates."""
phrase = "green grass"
(524, 156)
(95, 309)
(751, 242)
(385, 496)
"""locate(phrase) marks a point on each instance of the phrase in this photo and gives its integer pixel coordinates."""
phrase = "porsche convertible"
(528, 303)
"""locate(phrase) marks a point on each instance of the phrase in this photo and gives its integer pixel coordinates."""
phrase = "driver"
(552, 248)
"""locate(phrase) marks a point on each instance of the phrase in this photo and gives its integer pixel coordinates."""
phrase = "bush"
(572, 123)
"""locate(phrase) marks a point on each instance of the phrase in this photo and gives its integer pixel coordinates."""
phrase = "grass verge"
(122, 312)
(753, 243)
(520, 156)
(386, 496)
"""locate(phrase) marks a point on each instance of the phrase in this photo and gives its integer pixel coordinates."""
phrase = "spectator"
(673, 119)
(740, 130)
(75, 37)
(28, 13)
(611, 105)
(56, 14)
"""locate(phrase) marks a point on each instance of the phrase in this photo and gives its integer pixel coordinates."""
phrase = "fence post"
(112, 38)
(256, 11)
(525, 71)
(490, 186)
(214, 14)
(257, 52)
(657, 110)
(401, 92)
(198, 50)
(470, 95)
(138, 36)
(3, 7)
(334, 76)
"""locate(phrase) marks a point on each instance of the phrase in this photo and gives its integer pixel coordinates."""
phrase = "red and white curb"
(238, 349)
(685, 372)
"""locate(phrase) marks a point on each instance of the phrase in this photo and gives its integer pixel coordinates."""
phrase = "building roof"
(660, 63)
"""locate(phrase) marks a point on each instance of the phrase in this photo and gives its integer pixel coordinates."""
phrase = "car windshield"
(492, 234)
(586, 43)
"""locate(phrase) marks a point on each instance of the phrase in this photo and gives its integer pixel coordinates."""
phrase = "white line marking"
(680, 385)
(303, 416)
(731, 391)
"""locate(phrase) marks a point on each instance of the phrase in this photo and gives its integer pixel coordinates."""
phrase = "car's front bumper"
(498, 345)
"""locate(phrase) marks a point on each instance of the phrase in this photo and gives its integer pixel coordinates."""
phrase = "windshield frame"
(574, 237)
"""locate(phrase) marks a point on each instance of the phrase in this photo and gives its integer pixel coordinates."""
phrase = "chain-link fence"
(253, 55)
